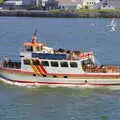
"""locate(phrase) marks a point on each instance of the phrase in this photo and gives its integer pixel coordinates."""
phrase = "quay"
(62, 14)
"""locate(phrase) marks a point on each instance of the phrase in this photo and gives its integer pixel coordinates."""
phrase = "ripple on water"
(44, 103)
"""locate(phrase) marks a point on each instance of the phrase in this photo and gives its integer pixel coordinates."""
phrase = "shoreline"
(61, 14)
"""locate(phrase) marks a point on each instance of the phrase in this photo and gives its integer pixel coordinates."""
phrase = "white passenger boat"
(42, 65)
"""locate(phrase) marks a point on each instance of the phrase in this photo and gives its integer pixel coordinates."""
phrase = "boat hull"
(84, 80)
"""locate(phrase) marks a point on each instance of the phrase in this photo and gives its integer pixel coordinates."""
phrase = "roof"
(34, 44)
(69, 2)
(14, 2)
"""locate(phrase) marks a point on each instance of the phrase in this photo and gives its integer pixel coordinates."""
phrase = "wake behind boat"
(41, 65)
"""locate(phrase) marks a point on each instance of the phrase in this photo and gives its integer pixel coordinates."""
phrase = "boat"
(41, 65)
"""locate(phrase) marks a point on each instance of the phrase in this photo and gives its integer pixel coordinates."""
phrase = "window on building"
(27, 61)
(73, 64)
(64, 64)
(45, 63)
(54, 64)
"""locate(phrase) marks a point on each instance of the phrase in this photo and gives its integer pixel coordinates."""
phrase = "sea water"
(45, 103)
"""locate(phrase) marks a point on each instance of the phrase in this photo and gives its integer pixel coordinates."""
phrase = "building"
(69, 4)
(18, 4)
(90, 3)
(12, 2)
(29, 2)
(77, 4)
(111, 3)
(51, 4)
(43, 2)
(38, 3)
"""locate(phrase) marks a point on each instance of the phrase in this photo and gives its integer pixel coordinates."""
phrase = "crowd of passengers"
(75, 55)
(100, 68)
(60, 50)
(11, 64)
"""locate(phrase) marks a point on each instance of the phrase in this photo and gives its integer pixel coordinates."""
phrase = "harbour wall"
(60, 14)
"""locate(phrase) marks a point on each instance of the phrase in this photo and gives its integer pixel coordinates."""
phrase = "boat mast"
(34, 36)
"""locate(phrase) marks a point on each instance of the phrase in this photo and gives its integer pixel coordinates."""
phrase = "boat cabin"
(37, 47)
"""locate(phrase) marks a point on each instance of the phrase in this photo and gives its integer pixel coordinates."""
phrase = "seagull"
(113, 25)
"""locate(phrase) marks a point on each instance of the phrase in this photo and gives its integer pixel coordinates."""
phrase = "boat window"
(27, 62)
(54, 63)
(73, 64)
(64, 64)
(38, 48)
(88, 61)
(29, 48)
(45, 63)
(36, 62)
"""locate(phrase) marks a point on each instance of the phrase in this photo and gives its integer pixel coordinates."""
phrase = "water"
(44, 103)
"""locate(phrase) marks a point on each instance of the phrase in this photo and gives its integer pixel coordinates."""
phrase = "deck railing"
(101, 68)
(8, 62)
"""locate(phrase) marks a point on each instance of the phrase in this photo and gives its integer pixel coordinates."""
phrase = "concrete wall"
(83, 14)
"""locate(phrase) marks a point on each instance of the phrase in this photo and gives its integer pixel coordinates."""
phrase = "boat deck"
(101, 68)
(12, 64)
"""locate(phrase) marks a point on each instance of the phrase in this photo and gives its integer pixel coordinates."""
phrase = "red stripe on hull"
(43, 69)
(38, 69)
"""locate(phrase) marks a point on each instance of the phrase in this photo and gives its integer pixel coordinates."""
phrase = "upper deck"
(35, 49)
